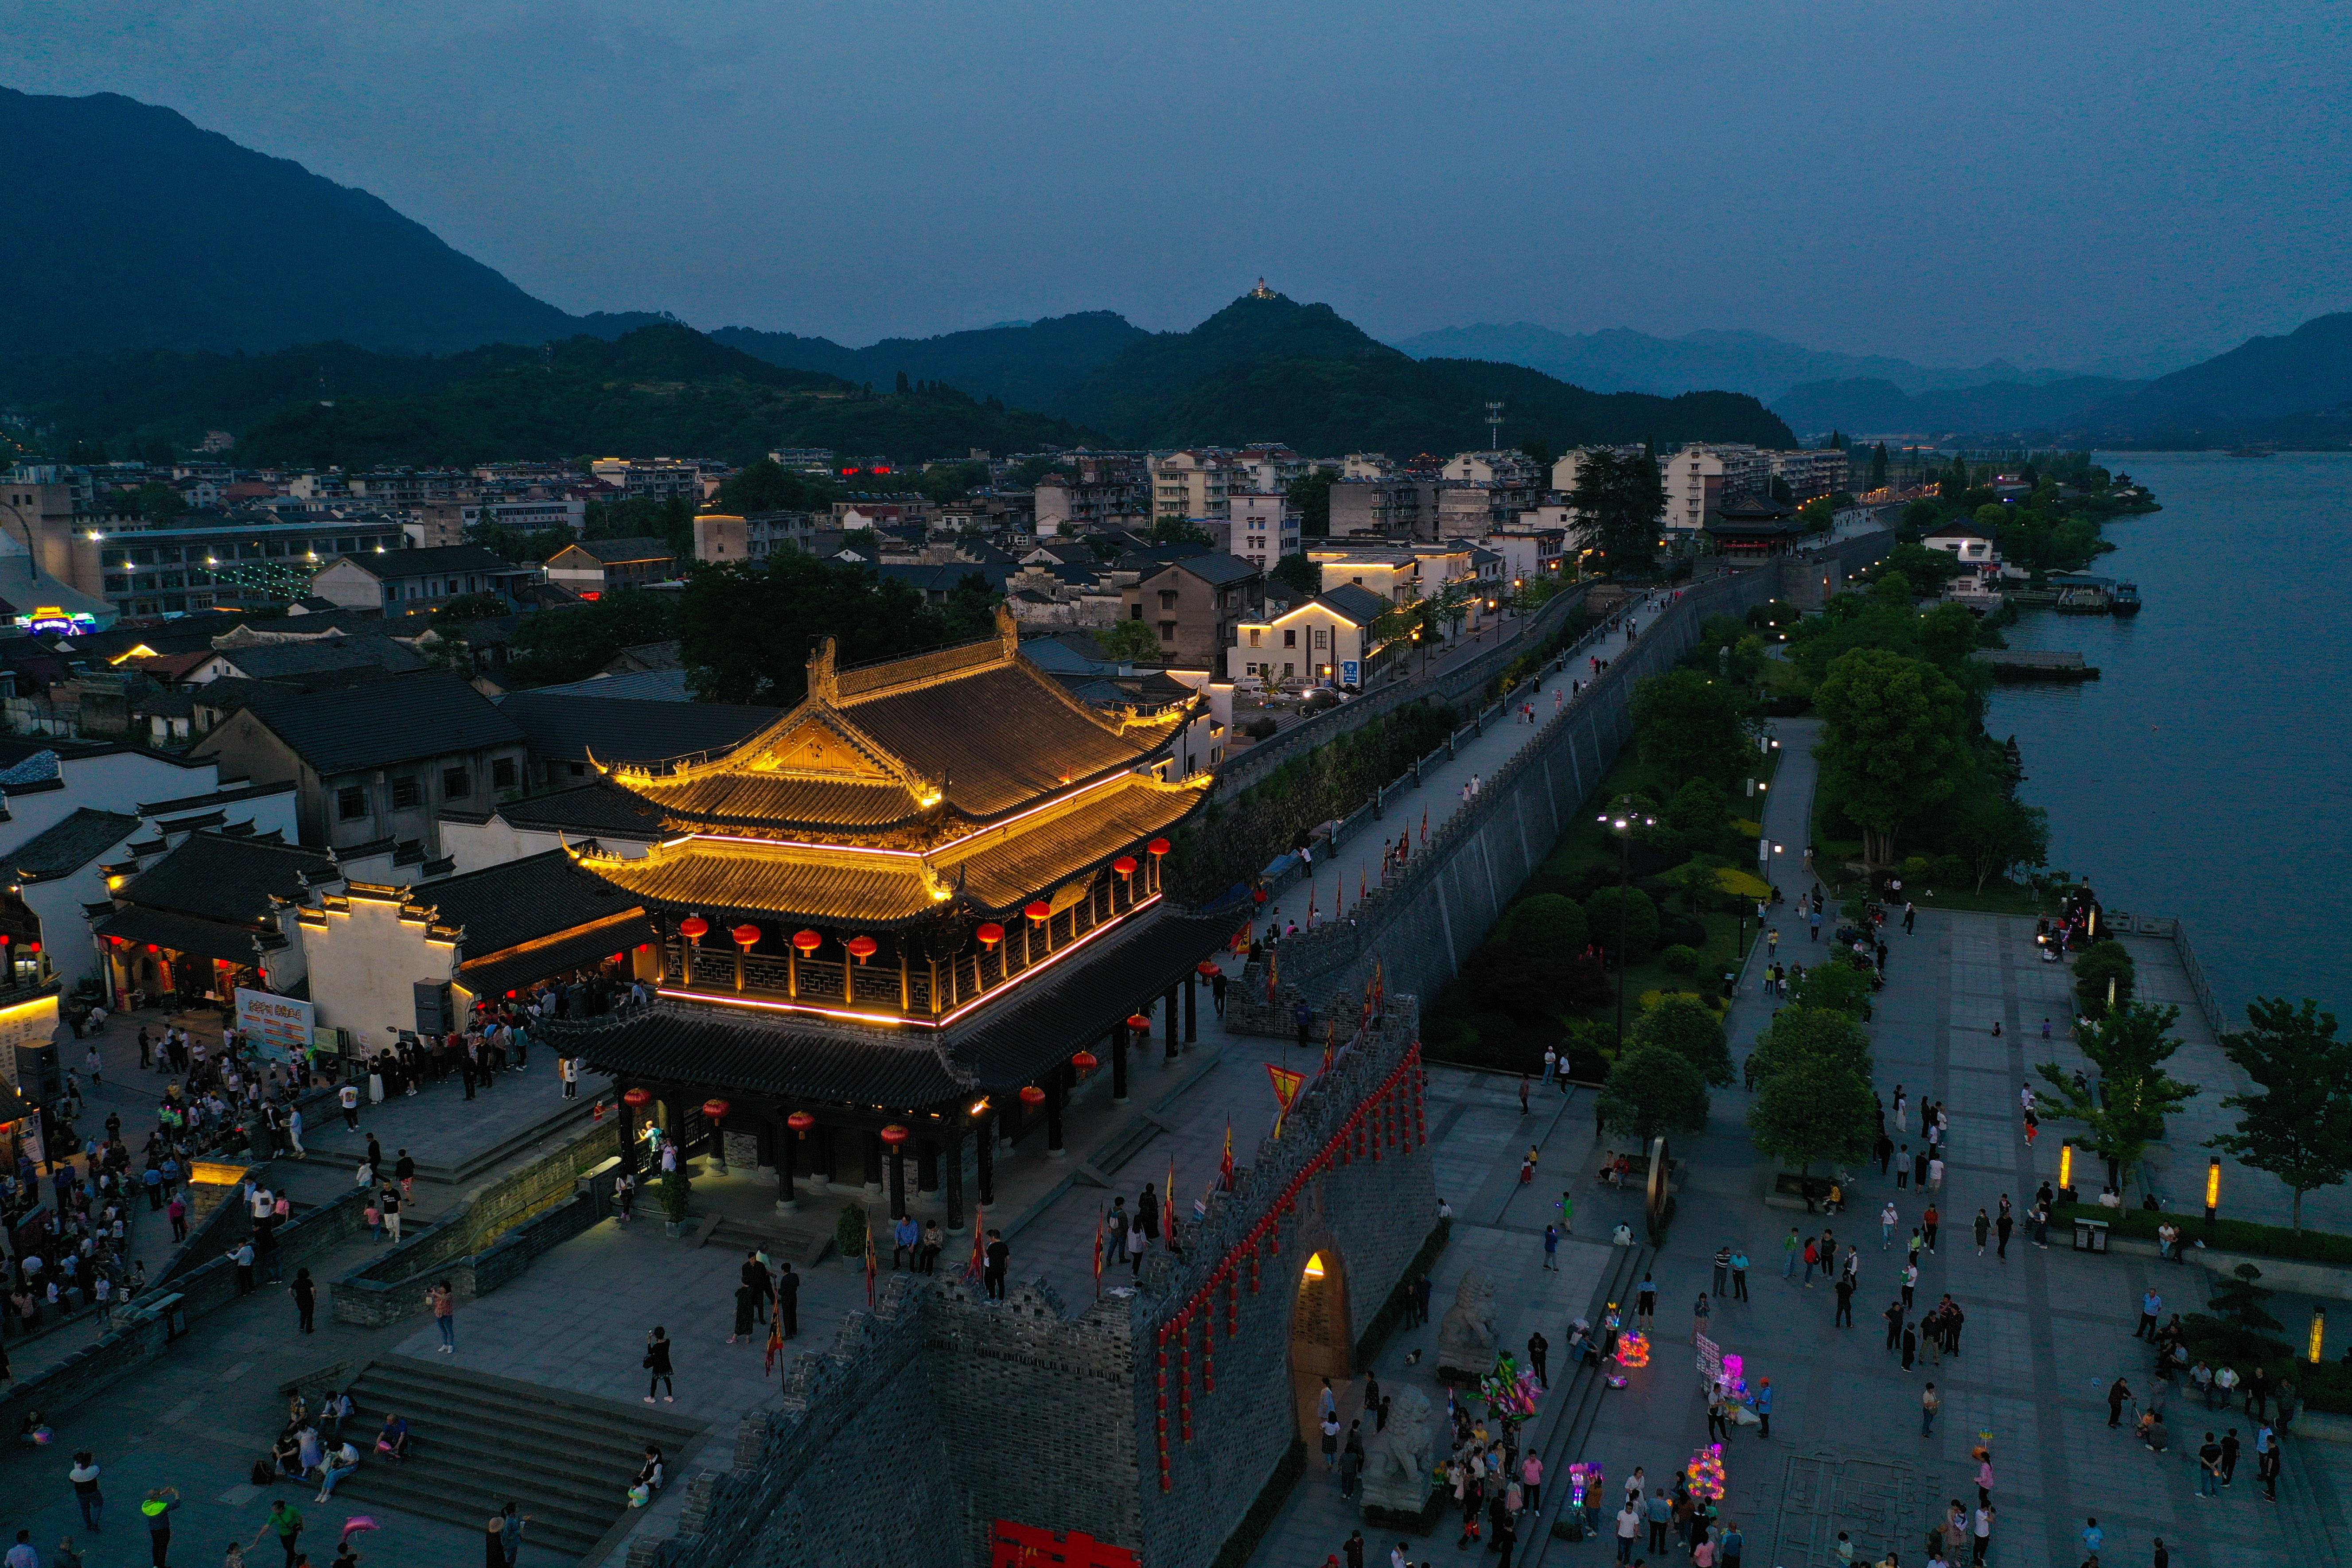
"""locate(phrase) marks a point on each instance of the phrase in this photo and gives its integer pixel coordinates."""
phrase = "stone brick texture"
(939, 1412)
(1421, 926)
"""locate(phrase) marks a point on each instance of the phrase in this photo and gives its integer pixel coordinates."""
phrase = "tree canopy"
(2298, 1126)
(1891, 745)
(746, 630)
(1690, 1029)
(1652, 1089)
(1687, 725)
(2129, 1047)
(1621, 498)
(1815, 1108)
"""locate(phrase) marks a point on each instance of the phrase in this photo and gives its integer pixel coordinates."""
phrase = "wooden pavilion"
(894, 921)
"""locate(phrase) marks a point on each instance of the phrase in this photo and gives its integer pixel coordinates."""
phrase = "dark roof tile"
(377, 723)
(68, 846)
(224, 877)
(521, 901)
(573, 725)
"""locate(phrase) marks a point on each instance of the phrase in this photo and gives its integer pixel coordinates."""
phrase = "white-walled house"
(595, 812)
(1972, 544)
(1323, 641)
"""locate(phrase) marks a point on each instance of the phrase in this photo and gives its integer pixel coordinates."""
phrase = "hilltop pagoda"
(925, 890)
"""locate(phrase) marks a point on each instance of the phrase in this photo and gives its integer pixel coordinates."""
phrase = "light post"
(1624, 819)
(2212, 1191)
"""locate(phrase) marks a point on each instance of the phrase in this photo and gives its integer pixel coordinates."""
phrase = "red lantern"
(510, 995)
(1086, 1062)
(639, 1098)
(1031, 1095)
(619, 957)
(1208, 968)
(1257, 895)
(807, 941)
(894, 1135)
(800, 1122)
(1124, 865)
(153, 948)
(1141, 1022)
(715, 1109)
(1160, 847)
(694, 928)
(862, 947)
(990, 933)
(745, 935)
(1041, 912)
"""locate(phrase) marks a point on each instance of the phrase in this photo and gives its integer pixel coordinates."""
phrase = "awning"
(519, 967)
(188, 934)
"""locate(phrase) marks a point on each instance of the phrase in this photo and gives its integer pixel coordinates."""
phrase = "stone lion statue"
(1465, 1337)
(1396, 1469)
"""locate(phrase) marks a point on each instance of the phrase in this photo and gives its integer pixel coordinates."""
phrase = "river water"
(2204, 776)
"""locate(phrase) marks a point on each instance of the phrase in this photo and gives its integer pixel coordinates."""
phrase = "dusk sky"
(2122, 187)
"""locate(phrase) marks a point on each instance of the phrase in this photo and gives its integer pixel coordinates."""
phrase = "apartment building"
(1091, 490)
(657, 477)
(1391, 508)
(1260, 528)
(1324, 641)
(1197, 605)
(1507, 470)
(1190, 484)
(1810, 473)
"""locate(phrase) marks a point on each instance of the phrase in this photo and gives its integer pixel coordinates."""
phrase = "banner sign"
(277, 1027)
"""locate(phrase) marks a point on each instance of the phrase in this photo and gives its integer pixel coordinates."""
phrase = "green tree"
(2099, 968)
(1878, 467)
(746, 630)
(1996, 835)
(1640, 921)
(1699, 814)
(2299, 1127)
(1835, 986)
(2129, 1047)
(1298, 574)
(1174, 530)
(1690, 1029)
(1621, 499)
(1133, 642)
(768, 485)
(1549, 925)
(1311, 495)
(1798, 1034)
(1652, 1089)
(573, 642)
(1947, 633)
(468, 608)
(1687, 725)
(1891, 748)
(1893, 588)
(1816, 1108)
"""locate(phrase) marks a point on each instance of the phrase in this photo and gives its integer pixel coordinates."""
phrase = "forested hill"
(1270, 369)
(256, 252)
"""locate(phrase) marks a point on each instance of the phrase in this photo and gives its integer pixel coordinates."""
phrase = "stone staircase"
(566, 1459)
(564, 1118)
(804, 1248)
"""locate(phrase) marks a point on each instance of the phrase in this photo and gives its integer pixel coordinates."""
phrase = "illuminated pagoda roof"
(917, 844)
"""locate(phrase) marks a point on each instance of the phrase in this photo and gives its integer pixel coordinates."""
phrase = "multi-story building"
(1193, 483)
(1094, 490)
(1259, 528)
(593, 568)
(1394, 508)
(657, 477)
(1507, 470)
(1323, 641)
(1810, 473)
(1269, 470)
(722, 537)
(1197, 605)
(418, 579)
(1366, 465)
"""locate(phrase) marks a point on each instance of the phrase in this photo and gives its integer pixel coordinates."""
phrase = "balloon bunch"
(1704, 1473)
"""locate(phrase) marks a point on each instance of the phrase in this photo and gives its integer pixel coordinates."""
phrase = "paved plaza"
(2046, 1331)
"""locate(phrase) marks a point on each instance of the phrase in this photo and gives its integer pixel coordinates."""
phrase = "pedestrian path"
(1339, 878)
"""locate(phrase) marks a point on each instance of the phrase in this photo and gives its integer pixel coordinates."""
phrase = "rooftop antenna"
(1493, 426)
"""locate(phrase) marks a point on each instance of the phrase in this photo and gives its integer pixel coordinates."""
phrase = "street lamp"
(1625, 818)
(2212, 1190)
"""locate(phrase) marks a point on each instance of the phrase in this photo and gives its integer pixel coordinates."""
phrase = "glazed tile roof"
(521, 900)
(597, 808)
(996, 870)
(770, 799)
(67, 846)
(224, 877)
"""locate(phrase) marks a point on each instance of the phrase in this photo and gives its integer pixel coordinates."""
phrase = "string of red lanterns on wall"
(1384, 1107)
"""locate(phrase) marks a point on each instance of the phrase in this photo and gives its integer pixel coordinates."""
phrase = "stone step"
(566, 1458)
(562, 1119)
(804, 1248)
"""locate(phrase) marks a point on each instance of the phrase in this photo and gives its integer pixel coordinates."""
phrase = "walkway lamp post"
(1625, 818)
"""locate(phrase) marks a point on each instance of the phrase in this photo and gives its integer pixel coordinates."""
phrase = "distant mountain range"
(1619, 358)
(137, 231)
(312, 320)
(1268, 368)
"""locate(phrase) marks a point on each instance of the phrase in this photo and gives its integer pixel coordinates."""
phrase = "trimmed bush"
(1680, 958)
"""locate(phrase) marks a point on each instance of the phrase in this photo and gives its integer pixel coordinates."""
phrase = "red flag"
(1287, 1085)
(1330, 1043)
(1101, 1216)
(869, 1262)
(1424, 824)
(978, 1263)
(775, 1342)
(1225, 1172)
(1310, 906)
(1168, 1202)
(1363, 887)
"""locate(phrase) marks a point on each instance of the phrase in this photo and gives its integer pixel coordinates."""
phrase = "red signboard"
(1015, 1545)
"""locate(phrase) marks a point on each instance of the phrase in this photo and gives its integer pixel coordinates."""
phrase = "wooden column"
(905, 988)
(1055, 1095)
(872, 1141)
(927, 1166)
(791, 972)
(1118, 1064)
(898, 1160)
(955, 1180)
(785, 1153)
(1174, 1050)
(824, 1152)
(1191, 1009)
(984, 1159)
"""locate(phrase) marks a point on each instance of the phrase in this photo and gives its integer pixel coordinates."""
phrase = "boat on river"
(2125, 599)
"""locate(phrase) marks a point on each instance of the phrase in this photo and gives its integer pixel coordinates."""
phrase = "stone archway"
(1321, 1344)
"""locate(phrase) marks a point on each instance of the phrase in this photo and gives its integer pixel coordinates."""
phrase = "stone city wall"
(1422, 925)
(938, 1413)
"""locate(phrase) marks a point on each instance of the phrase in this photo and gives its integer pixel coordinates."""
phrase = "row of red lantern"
(1266, 1234)
(800, 1122)
(694, 928)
